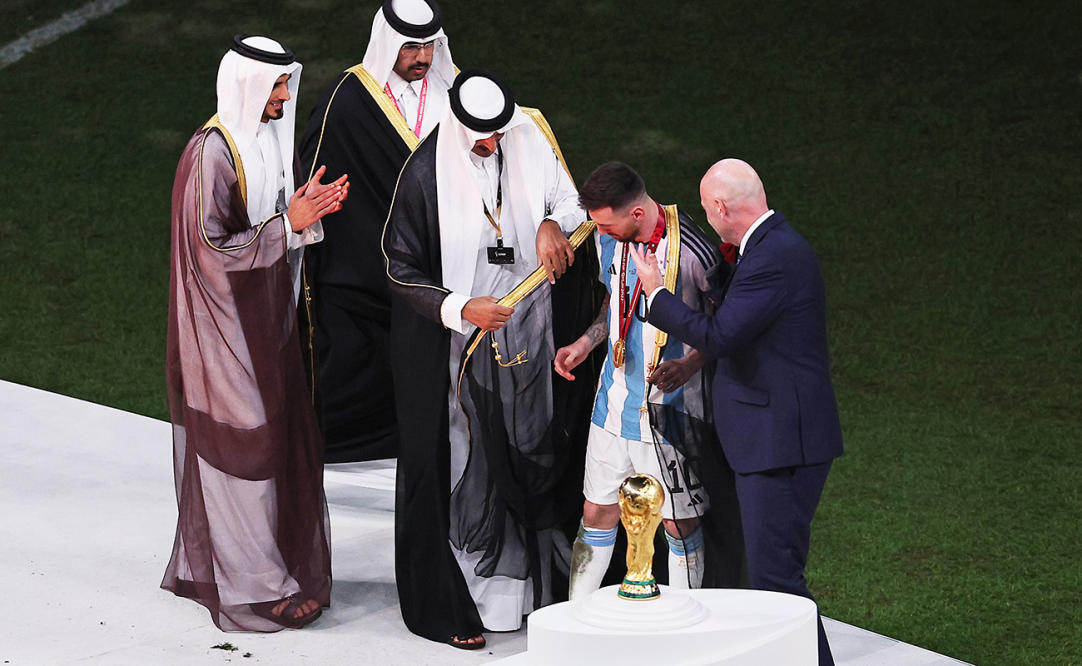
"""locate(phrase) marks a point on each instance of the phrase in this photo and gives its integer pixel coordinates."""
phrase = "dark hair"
(612, 185)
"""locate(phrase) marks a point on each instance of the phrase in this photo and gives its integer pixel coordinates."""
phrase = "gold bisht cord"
(641, 497)
(519, 359)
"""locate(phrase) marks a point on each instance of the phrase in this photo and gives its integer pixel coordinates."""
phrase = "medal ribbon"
(420, 105)
(627, 310)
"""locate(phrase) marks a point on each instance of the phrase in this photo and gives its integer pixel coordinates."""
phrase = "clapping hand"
(313, 200)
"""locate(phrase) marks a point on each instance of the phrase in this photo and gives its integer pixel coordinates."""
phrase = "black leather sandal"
(461, 644)
(288, 616)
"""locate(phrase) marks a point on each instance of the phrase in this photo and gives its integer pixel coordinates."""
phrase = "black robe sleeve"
(411, 240)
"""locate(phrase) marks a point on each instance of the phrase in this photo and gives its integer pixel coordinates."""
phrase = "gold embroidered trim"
(672, 269)
(385, 105)
(213, 123)
(546, 129)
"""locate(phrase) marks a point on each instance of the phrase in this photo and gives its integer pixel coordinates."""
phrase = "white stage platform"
(89, 512)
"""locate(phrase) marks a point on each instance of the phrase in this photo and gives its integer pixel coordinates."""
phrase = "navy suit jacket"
(774, 404)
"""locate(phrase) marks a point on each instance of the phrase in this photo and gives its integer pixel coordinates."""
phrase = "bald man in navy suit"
(774, 405)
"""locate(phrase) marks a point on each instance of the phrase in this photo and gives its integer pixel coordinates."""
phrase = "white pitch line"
(69, 22)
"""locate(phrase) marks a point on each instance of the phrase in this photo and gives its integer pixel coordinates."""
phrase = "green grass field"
(931, 152)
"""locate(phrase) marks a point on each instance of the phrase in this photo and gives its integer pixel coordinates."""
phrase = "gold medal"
(618, 351)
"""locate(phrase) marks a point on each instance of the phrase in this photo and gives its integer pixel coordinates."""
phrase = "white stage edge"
(89, 513)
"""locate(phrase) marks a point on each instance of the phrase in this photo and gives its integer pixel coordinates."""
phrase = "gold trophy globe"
(640, 497)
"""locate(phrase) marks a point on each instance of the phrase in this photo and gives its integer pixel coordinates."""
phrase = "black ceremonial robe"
(346, 305)
(519, 493)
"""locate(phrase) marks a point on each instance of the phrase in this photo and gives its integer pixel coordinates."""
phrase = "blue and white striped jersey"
(621, 392)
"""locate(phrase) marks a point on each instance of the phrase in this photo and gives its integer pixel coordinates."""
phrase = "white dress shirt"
(754, 225)
(743, 244)
(407, 94)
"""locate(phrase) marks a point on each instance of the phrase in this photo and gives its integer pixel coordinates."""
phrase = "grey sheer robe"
(252, 524)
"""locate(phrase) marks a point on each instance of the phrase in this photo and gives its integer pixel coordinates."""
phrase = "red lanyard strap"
(420, 105)
(626, 308)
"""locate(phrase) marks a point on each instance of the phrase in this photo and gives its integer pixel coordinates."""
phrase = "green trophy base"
(641, 590)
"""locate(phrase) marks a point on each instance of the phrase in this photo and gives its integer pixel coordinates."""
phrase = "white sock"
(590, 559)
(687, 559)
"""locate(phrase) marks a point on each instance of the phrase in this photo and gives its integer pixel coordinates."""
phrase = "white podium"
(692, 627)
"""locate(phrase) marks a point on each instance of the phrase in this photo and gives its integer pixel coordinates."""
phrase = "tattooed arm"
(568, 358)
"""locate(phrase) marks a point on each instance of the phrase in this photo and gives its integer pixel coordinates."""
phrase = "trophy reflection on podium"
(640, 498)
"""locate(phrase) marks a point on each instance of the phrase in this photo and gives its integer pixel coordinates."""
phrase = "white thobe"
(501, 601)
(407, 95)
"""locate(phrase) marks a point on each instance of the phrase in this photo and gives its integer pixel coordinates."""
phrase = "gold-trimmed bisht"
(408, 137)
(216, 124)
(672, 271)
(398, 122)
(386, 105)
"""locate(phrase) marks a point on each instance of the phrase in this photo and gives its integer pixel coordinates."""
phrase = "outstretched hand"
(647, 268)
(313, 200)
(568, 358)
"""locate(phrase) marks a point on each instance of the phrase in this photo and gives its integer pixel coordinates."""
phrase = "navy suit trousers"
(776, 509)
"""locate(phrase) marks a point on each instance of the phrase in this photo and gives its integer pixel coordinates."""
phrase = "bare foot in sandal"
(471, 643)
(289, 612)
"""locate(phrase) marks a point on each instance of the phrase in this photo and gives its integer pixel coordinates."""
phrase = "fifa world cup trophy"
(641, 497)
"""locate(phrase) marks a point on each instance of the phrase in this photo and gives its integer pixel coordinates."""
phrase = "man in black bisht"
(492, 447)
(366, 124)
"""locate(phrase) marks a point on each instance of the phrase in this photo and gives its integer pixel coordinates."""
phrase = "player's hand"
(554, 251)
(671, 375)
(313, 200)
(486, 313)
(647, 268)
(568, 358)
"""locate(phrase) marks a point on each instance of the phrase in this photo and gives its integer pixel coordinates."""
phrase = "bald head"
(733, 198)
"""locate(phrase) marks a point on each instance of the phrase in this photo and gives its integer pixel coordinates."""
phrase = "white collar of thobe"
(754, 225)
(398, 85)
(482, 162)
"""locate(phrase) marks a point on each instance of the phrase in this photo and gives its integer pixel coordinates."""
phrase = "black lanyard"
(499, 198)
